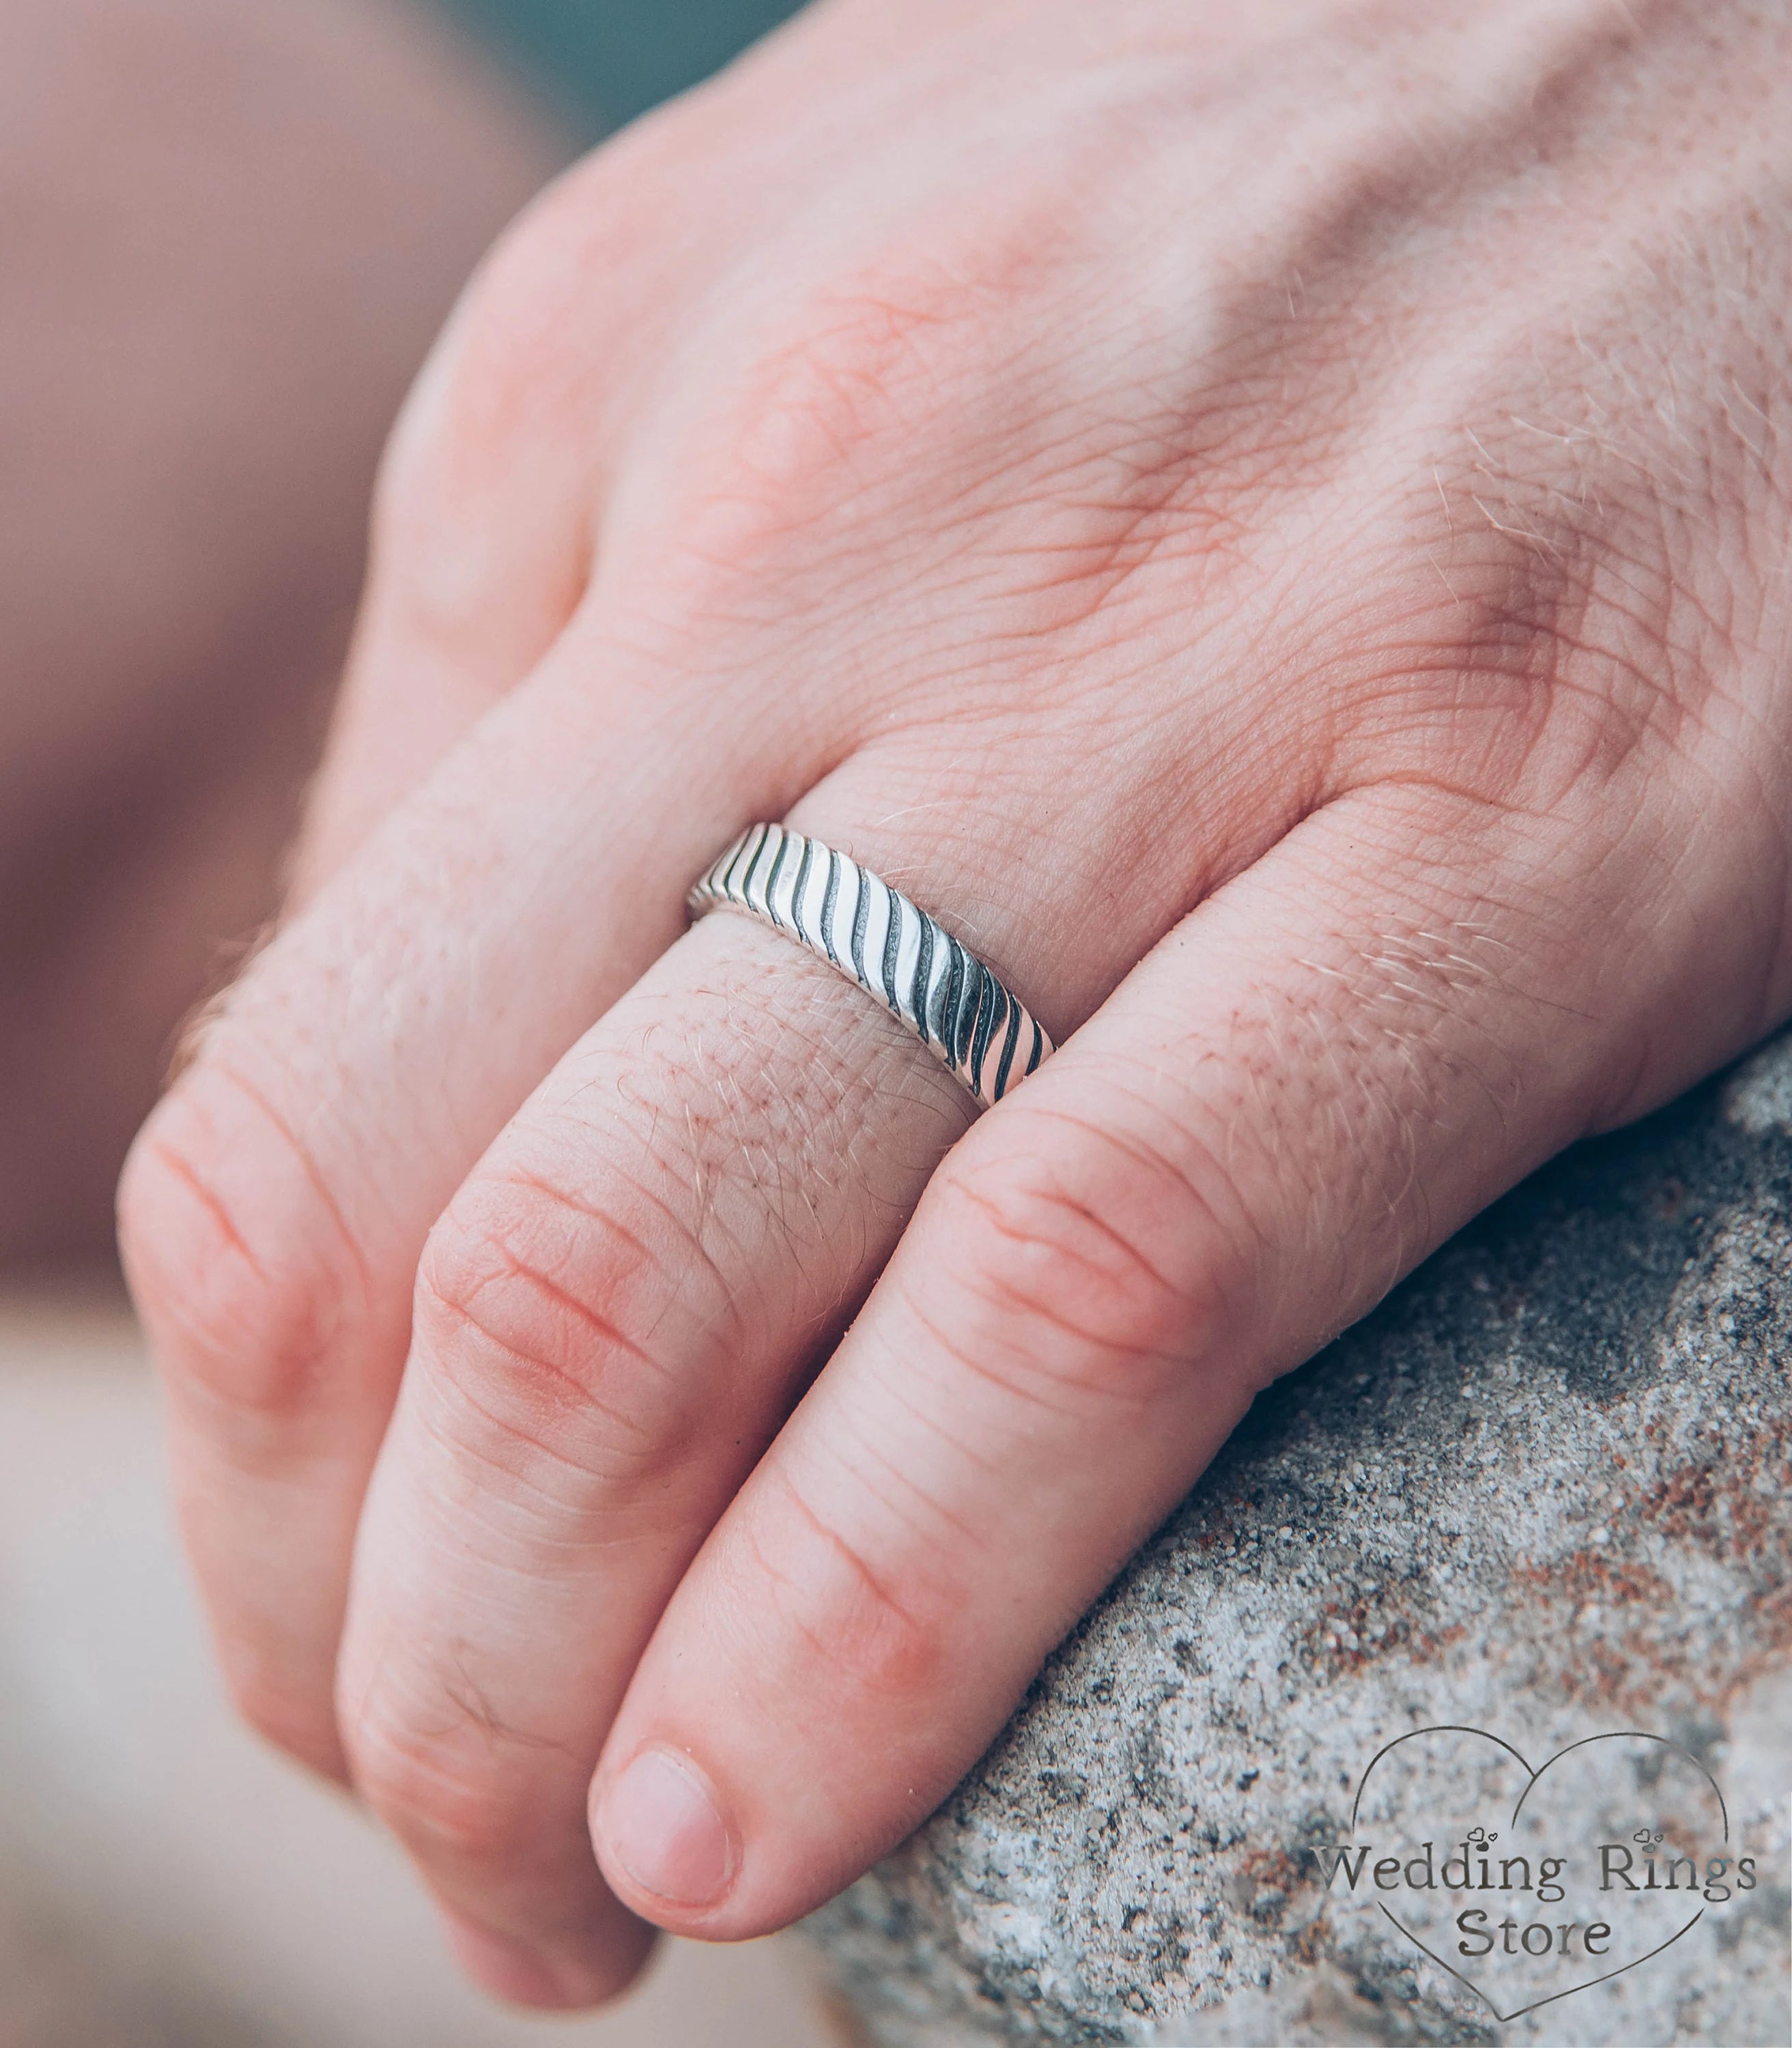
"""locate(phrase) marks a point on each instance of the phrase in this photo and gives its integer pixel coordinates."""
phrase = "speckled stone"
(1545, 1491)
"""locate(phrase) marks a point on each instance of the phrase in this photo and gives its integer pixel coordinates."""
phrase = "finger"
(1324, 1069)
(275, 1205)
(614, 1314)
(610, 1320)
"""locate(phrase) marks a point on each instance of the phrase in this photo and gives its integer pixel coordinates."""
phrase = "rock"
(1544, 1494)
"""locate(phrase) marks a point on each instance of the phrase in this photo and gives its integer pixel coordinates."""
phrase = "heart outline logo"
(1532, 1779)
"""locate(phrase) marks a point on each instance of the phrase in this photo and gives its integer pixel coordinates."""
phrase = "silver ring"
(890, 946)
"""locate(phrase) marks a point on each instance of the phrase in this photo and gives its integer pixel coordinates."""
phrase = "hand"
(1270, 523)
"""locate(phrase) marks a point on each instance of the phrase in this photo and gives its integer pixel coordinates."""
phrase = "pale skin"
(1271, 523)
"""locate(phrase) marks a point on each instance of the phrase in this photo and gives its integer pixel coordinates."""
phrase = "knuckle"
(523, 333)
(536, 1309)
(583, 1288)
(443, 1795)
(514, 411)
(1561, 631)
(243, 1274)
(508, 359)
(839, 415)
(889, 1627)
(1091, 1273)
(562, 289)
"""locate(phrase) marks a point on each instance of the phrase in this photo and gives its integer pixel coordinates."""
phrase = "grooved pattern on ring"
(874, 935)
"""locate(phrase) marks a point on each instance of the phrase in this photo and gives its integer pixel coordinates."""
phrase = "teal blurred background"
(599, 63)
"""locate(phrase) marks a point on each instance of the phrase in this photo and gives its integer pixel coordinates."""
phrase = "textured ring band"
(890, 946)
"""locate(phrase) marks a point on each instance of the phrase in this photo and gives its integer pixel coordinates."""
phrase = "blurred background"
(228, 231)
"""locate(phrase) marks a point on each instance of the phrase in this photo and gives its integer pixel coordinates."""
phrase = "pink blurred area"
(228, 231)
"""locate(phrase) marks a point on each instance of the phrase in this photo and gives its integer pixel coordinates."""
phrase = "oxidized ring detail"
(890, 946)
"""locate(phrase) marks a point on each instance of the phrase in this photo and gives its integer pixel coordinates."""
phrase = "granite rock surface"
(1543, 1496)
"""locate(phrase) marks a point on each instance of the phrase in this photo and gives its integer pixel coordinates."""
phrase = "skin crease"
(1271, 523)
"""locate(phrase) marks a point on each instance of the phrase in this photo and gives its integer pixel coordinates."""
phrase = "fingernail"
(659, 1823)
(516, 1974)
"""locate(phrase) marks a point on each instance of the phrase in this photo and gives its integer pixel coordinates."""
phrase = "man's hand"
(1272, 524)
